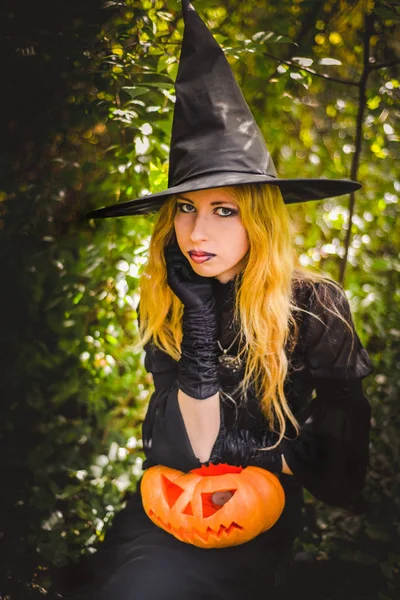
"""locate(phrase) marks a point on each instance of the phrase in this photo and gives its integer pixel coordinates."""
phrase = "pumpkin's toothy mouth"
(203, 535)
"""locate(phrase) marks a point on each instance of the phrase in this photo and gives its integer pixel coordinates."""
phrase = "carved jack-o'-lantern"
(189, 506)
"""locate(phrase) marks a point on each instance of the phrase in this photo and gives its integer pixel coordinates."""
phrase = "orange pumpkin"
(184, 503)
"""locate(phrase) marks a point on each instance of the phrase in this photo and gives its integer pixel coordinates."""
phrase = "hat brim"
(293, 191)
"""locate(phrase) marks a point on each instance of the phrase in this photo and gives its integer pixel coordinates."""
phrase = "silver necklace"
(232, 363)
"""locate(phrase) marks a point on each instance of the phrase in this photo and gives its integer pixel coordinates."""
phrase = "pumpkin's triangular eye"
(209, 508)
(171, 490)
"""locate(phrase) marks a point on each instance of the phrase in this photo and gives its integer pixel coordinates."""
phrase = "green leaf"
(165, 85)
(221, 39)
(166, 16)
(111, 340)
(172, 70)
(363, 558)
(303, 61)
(387, 13)
(261, 37)
(135, 90)
(77, 298)
(329, 61)
(162, 63)
(378, 531)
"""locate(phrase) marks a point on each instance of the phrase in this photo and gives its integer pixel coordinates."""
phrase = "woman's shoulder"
(307, 292)
(324, 312)
(331, 345)
(319, 306)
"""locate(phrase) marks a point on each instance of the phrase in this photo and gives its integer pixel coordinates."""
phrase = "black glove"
(239, 447)
(198, 368)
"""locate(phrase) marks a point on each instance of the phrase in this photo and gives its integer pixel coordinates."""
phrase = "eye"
(182, 207)
(230, 210)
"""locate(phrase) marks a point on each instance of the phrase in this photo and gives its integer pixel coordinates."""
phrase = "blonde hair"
(263, 305)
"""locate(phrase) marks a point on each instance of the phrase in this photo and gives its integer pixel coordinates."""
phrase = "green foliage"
(89, 100)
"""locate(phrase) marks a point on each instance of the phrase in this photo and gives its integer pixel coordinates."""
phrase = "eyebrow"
(216, 203)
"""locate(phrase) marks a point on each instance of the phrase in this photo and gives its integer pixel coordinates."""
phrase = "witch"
(255, 359)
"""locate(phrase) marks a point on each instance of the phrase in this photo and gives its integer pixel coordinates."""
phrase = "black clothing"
(330, 457)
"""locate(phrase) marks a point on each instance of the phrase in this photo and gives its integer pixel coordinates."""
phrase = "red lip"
(201, 254)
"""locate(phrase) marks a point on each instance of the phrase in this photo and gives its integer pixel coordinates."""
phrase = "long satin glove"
(239, 447)
(198, 367)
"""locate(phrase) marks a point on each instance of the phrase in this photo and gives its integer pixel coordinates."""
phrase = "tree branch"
(384, 65)
(362, 101)
(312, 71)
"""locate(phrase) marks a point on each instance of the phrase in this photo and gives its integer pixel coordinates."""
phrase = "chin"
(203, 272)
(220, 275)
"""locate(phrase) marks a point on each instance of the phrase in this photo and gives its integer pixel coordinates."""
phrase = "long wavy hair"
(264, 304)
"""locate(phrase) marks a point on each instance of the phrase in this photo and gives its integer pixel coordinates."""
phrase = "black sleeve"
(330, 351)
(165, 439)
(330, 456)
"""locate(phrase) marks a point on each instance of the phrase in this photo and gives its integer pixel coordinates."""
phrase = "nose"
(199, 230)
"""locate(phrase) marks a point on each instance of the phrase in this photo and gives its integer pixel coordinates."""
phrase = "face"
(208, 221)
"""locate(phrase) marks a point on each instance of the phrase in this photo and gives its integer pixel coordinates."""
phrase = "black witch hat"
(215, 139)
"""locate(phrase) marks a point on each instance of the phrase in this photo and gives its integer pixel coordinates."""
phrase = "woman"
(296, 330)
(255, 360)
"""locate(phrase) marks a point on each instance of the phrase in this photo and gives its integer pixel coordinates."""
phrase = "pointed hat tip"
(186, 7)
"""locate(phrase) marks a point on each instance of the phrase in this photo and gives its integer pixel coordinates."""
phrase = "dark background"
(87, 100)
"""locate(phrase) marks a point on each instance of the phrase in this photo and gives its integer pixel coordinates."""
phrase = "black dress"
(140, 561)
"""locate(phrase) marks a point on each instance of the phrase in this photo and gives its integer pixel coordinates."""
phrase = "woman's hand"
(198, 375)
(240, 447)
(192, 290)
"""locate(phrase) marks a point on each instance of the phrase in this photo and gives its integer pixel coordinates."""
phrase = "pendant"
(232, 363)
